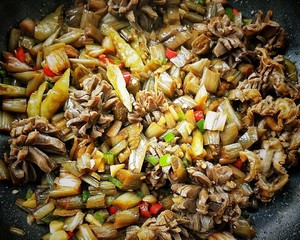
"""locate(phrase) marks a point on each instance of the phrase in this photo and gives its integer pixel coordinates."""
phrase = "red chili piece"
(144, 209)
(20, 54)
(70, 234)
(238, 164)
(127, 76)
(170, 53)
(103, 58)
(112, 210)
(235, 11)
(198, 115)
(156, 208)
(48, 71)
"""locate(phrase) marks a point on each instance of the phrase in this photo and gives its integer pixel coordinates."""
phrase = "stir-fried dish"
(148, 119)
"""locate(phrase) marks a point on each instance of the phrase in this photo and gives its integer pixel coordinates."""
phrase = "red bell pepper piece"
(48, 71)
(198, 115)
(103, 58)
(127, 76)
(238, 164)
(70, 234)
(144, 209)
(235, 11)
(112, 210)
(170, 53)
(20, 54)
(156, 208)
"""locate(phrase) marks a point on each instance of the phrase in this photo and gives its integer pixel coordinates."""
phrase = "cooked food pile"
(148, 119)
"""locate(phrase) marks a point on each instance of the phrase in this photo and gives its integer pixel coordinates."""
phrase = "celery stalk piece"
(116, 78)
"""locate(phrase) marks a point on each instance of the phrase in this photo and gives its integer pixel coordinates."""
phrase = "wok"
(278, 220)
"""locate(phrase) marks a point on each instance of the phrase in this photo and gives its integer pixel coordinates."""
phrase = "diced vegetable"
(56, 96)
(170, 53)
(20, 54)
(13, 91)
(109, 158)
(85, 195)
(198, 114)
(137, 156)
(116, 78)
(215, 121)
(169, 137)
(200, 125)
(35, 101)
(165, 160)
(144, 209)
(152, 159)
(48, 25)
(197, 143)
(156, 208)
(126, 200)
(130, 57)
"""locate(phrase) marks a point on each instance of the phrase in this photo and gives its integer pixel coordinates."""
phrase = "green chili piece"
(109, 158)
(165, 160)
(152, 159)
(115, 181)
(169, 137)
(85, 195)
(99, 216)
(229, 13)
(28, 193)
(200, 125)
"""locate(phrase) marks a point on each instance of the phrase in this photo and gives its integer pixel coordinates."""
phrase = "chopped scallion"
(185, 162)
(99, 216)
(115, 181)
(229, 13)
(28, 193)
(169, 137)
(152, 159)
(109, 158)
(85, 195)
(200, 125)
(181, 116)
(165, 160)
(201, 2)
(140, 194)
(164, 61)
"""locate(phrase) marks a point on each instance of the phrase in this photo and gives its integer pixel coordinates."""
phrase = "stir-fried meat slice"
(167, 226)
(31, 139)
(265, 33)
(146, 103)
(271, 77)
(227, 36)
(140, 14)
(91, 110)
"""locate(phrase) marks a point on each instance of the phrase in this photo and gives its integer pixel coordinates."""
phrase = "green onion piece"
(3, 73)
(229, 13)
(115, 181)
(50, 180)
(201, 2)
(165, 160)
(75, 238)
(140, 194)
(85, 195)
(109, 158)
(28, 193)
(200, 125)
(50, 84)
(181, 116)
(169, 137)
(163, 61)
(99, 216)
(152, 159)
(7, 80)
(185, 162)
